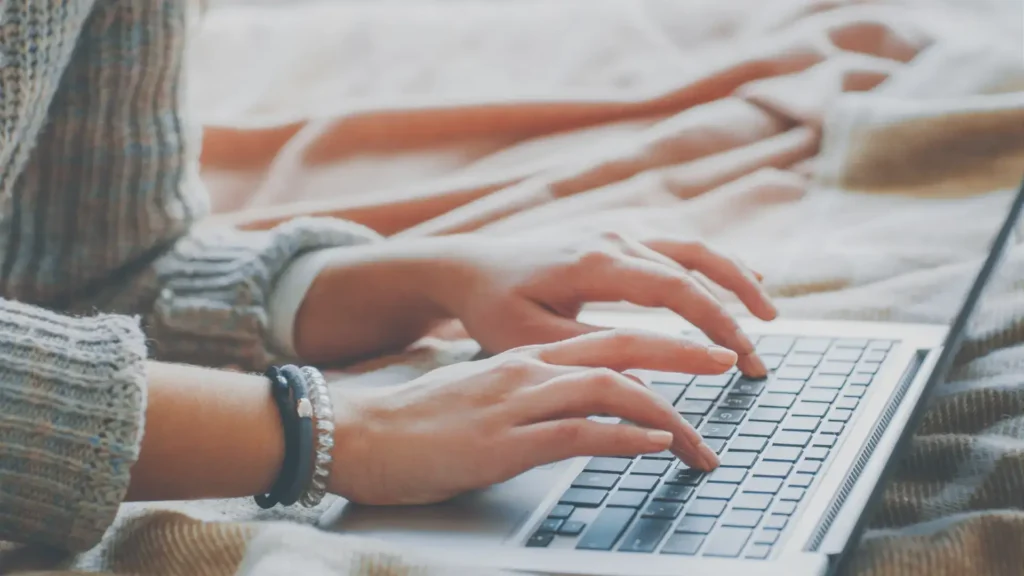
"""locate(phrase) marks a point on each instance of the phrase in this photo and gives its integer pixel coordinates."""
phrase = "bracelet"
(290, 393)
(324, 413)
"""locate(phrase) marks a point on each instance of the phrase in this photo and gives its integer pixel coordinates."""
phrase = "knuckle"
(518, 366)
(568, 431)
(597, 258)
(613, 237)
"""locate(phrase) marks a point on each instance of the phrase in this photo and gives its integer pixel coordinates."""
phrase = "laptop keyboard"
(773, 437)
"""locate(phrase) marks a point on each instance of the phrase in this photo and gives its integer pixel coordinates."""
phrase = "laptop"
(805, 454)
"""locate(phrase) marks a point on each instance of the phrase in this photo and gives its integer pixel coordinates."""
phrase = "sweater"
(101, 262)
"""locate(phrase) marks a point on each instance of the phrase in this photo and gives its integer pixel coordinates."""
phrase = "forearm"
(208, 434)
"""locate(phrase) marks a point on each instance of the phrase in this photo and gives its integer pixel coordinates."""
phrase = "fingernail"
(722, 355)
(710, 458)
(660, 438)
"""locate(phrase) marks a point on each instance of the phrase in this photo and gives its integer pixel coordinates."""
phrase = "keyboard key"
(742, 518)
(595, 480)
(550, 525)
(801, 423)
(803, 359)
(775, 345)
(540, 540)
(663, 455)
(786, 386)
(768, 415)
(792, 439)
(685, 476)
(827, 381)
(831, 428)
(868, 368)
(776, 522)
(819, 395)
(855, 390)
(762, 429)
(758, 552)
(772, 469)
(612, 465)
(752, 501)
(847, 403)
(874, 355)
(762, 485)
(561, 511)
(656, 377)
(851, 343)
(644, 483)
(880, 344)
(737, 402)
(696, 524)
(651, 467)
(785, 508)
(815, 345)
(780, 454)
(702, 507)
(714, 380)
(628, 499)
(861, 379)
(726, 416)
(746, 387)
(748, 444)
(801, 480)
(816, 453)
(686, 544)
(809, 409)
(728, 475)
(794, 373)
(717, 491)
(738, 459)
(772, 361)
(702, 393)
(808, 467)
(776, 400)
(825, 440)
(663, 510)
(699, 407)
(583, 497)
(572, 528)
(840, 415)
(645, 535)
(791, 494)
(673, 493)
(694, 419)
(727, 542)
(836, 368)
(716, 444)
(713, 430)
(766, 537)
(670, 392)
(606, 529)
(844, 354)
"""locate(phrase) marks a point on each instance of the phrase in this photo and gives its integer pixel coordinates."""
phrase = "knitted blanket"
(860, 156)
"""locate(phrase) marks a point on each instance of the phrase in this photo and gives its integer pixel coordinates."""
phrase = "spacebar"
(606, 529)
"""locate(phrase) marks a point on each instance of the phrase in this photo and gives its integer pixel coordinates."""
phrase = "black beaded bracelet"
(291, 396)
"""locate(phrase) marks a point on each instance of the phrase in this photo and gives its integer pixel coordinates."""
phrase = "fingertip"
(751, 365)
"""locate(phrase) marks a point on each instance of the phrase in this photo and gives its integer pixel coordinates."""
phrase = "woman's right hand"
(475, 424)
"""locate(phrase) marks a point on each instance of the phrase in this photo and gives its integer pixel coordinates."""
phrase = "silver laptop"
(805, 454)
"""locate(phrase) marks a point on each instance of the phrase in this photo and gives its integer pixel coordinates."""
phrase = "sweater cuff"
(216, 287)
(72, 402)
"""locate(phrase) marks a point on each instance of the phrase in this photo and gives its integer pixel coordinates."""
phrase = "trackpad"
(484, 517)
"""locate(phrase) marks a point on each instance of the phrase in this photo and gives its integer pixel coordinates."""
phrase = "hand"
(512, 291)
(475, 424)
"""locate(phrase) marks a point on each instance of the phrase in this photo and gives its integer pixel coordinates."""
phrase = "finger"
(720, 269)
(556, 440)
(605, 392)
(622, 349)
(652, 285)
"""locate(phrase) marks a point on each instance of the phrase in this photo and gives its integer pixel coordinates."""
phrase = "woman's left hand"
(512, 291)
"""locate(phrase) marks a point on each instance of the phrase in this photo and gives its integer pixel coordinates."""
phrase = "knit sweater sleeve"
(104, 260)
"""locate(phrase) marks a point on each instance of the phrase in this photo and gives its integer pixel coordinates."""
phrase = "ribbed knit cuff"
(215, 286)
(72, 403)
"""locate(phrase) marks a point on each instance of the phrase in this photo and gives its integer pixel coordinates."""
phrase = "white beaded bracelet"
(323, 415)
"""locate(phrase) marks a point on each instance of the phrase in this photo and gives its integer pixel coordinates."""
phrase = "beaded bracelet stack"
(307, 416)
